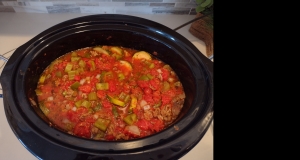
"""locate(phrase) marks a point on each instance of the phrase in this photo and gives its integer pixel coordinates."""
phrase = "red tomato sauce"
(110, 93)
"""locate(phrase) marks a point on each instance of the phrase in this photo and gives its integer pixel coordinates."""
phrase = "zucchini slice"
(100, 50)
(126, 64)
(142, 55)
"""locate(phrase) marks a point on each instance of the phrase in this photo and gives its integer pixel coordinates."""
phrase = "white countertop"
(17, 28)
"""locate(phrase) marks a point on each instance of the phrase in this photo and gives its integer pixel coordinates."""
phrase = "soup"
(110, 93)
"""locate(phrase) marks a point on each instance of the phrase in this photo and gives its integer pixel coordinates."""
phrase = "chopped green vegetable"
(69, 67)
(151, 65)
(71, 75)
(157, 105)
(106, 76)
(166, 86)
(117, 52)
(133, 102)
(101, 50)
(130, 119)
(121, 76)
(149, 76)
(38, 92)
(73, 59)
(92, 96)
(102, 86)
(122, 96)
(114, 111)
(168, 67)
(126, 64)
(116, 101)
(44, 109)
(58, 74)
(98, 136)
(102, 124)
(144, 77)
(78, 103)
(81, 63)
(97, 107)
(93, 66)
(86, 104)
(42, 79)
(142, 55)
(75, 85)
(74, 54)
(177, 84)
(127, 98)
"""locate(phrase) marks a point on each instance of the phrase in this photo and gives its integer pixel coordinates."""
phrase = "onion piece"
(65, 120)
(143, 103)
(82, 81)
(98, 76)
(50, 98)
(146, 107)
(74, 109)
(133, 130)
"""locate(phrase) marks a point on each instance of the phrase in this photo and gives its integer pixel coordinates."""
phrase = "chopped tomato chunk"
(85, 88)
(83, 129)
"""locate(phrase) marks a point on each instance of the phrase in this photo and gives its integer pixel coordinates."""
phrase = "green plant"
(204, 6)
(203, 28)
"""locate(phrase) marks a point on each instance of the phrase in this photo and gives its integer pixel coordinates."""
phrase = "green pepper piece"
(44, 109)
(93, 66)
(69, 67)
(81, 63)
(105, 76)
(102, 124)
(74, 54)
(92, 96)
(117, 52)
(78, 103)
(149, 76)
(38, 92)
(130, 119)
(166, 86)
(101, 50)
(42, 79)
(151, 65)
(121, 76)
(133, 102)
(58, 74)
(116, 101)
(122, 96)
(73, 59)
(144, 77)
(75, 85)
(114, 111)
(97, 107)
(157, 105)
(127, 98)
(98, 136)
(71, 75)
(102, 86)
(86, 104)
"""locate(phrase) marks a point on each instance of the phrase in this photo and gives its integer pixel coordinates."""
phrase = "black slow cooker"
(21, 73)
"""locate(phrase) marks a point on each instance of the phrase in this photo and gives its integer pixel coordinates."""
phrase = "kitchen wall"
(183, 7)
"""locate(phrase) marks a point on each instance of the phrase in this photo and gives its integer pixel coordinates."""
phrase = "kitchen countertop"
(18, 28)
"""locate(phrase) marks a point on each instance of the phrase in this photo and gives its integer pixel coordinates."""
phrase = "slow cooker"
(21, 73)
